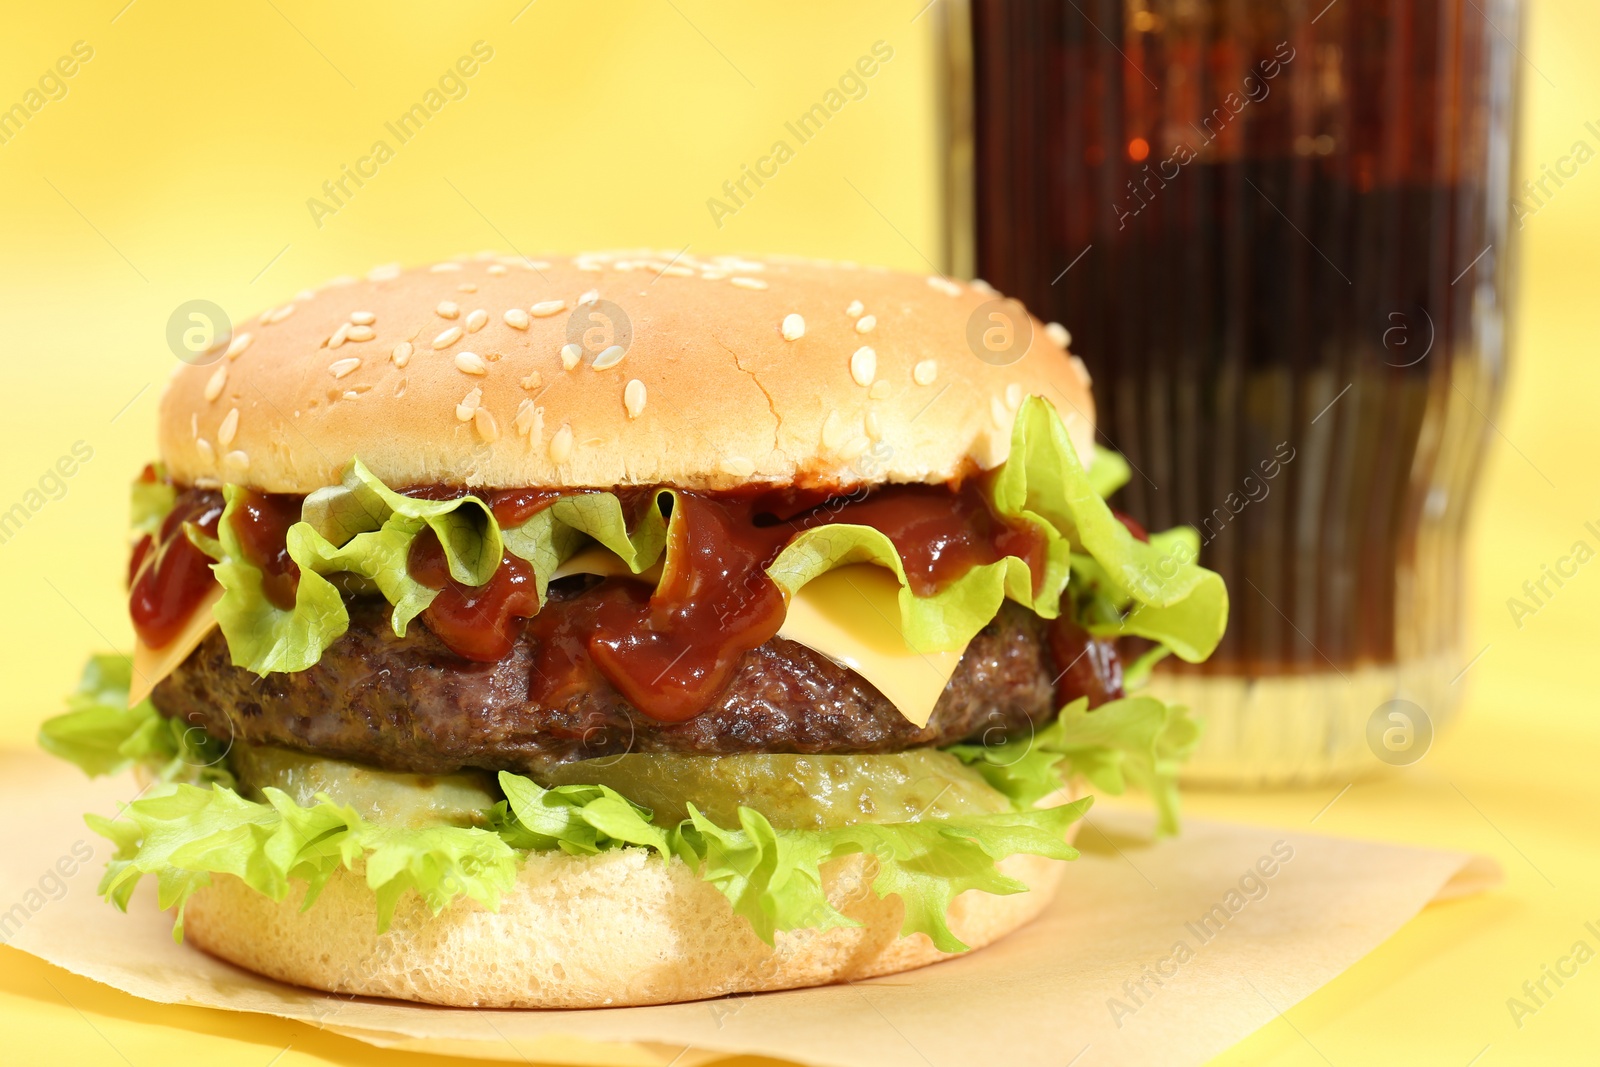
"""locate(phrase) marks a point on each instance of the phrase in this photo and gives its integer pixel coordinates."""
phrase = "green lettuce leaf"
(1109, 472)
(150, 503)
(263, 637)
(577, 819)
(102, 735)
(184, 834)
(773, 877)
(1139, 741)
(360, 527)
(1159, 591)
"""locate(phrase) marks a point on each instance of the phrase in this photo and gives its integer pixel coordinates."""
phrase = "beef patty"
(410, 704)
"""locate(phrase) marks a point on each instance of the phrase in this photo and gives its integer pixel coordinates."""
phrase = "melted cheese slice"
(849, 614)
(852, 616)
(150, 665)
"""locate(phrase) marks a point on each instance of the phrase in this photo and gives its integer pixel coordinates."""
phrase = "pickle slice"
(392, 799)
(796, 792)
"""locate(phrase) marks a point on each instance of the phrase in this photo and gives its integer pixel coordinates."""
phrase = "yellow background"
(178, 166)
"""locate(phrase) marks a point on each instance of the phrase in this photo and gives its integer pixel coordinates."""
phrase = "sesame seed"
(471, 363)
(857, 445)
(880, 389)
(207, 453)
(677, 270)
(545, 308)
(925, 372)
(833, 430)
(984, 287)
(532, 381)
(277, 315)
(588, 268)
(1083, 370)
(738, 466)
(944, 285)
(401, 354)
(748, 283)
(855, 309)
(352, 394)
(447, 309)
(447, 338)
(571, 355)
(341, 367)
(340, 336)
(998, 412)
(363, 318)
(633, 397)
(228, 428)
(794, 327)
(528, 418)
(469, 405)
(218, 379)
(874, 426)
(864, 365)
(240, 342)
(237, 459)
(468, 287)
(497, 268)
(590, 297)
(360, 333)
(1013, 396)
(1057, 333)
(713, 275)
(561, 444)
(476, 320)
(865, 323)
(483, 422)
(399, 391)
(517, 319)
(194, 424)
(386, 272)
(441, 268)
(609, 357)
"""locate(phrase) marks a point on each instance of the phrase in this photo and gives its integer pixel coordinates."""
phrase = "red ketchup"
(476, 622)
(168, 576)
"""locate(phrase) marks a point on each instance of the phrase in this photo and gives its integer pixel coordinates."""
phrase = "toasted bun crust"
(709, 394)
(615, 929)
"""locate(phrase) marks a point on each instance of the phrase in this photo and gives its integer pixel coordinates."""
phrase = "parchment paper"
(1162, 954)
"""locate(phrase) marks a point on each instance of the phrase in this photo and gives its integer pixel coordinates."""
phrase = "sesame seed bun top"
(635, 368)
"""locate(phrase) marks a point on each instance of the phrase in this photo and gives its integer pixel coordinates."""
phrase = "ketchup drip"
(1132, 524)
(475, 622)
(513, 507)
(671, 653)
(168, 576)
(261, 521)
(1086, 666)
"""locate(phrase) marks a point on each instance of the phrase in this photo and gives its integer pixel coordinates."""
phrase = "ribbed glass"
(1279, 233)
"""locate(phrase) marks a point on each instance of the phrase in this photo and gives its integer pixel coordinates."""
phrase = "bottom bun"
(613, 929)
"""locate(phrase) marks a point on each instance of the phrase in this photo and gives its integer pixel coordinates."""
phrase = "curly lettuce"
(102, 735)
(1138, 741)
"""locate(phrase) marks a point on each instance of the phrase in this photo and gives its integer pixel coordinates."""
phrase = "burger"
(628, 628)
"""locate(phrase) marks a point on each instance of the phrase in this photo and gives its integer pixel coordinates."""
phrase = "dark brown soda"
(1288, 236)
